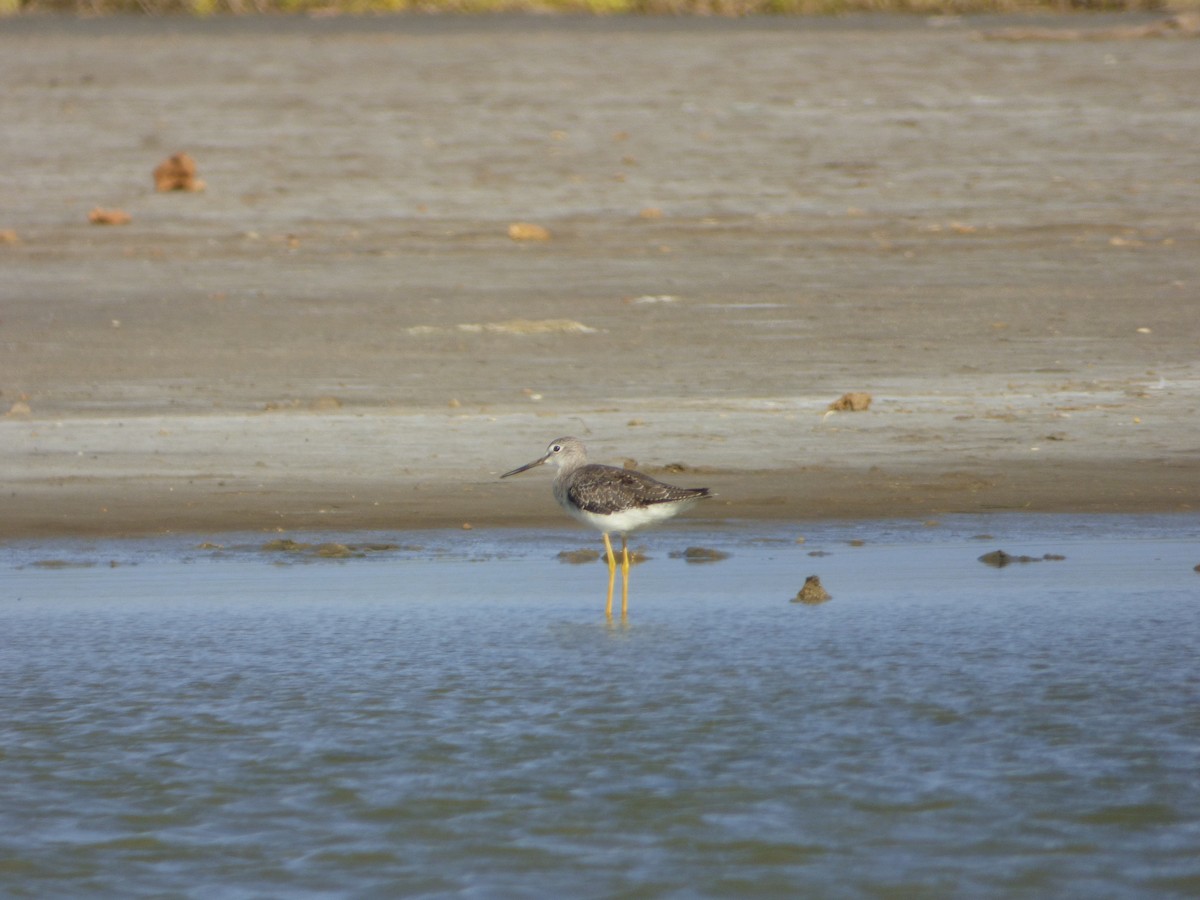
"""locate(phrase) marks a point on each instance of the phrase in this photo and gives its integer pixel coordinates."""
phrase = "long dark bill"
(527, 466)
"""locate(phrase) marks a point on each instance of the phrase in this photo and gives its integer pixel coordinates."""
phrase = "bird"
(611, 500)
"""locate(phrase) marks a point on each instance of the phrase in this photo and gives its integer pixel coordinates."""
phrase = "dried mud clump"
(813, 592)
(528, 231)
(177, 173)
(100, 216)
(854, 401)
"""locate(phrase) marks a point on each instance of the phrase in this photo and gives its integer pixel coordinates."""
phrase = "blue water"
(455, 716)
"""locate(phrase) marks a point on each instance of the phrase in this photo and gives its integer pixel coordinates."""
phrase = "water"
(455, 716)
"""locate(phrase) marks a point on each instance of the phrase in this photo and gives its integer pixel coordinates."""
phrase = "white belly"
(627, 520)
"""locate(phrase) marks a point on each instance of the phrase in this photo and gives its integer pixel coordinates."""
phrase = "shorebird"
(610, 500)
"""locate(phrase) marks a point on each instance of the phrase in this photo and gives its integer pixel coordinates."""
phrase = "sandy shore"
(998, 240)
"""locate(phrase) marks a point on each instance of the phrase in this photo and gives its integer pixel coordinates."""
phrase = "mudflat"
(738, 221)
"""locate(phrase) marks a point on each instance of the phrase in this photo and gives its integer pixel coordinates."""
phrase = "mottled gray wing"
(606, 489)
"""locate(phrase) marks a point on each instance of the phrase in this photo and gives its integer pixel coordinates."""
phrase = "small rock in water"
(336, 551)
(285, 545)
(1000, 559)
(812, 593)
(333, 549)
(578, 557)
(699, 554)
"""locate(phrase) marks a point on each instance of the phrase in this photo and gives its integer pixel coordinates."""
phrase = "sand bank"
(997, 240)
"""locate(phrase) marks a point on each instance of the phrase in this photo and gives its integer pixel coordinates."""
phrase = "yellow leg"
(624, 578)
(612, 572)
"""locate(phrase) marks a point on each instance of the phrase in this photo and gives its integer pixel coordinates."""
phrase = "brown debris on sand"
(812, 593)
(177, 173)
(1183, 25)
(100, 216)
(854, 401)
(528, 231)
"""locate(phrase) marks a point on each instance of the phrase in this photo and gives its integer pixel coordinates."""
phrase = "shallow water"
(455, 715)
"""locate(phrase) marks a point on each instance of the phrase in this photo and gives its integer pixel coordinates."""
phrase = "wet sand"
(998, 240)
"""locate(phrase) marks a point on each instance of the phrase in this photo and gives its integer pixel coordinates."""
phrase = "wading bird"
(610, 500)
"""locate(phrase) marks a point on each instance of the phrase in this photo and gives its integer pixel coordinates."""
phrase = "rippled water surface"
(451, 714)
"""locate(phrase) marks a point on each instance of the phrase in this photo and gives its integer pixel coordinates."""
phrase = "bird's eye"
(557, 448)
